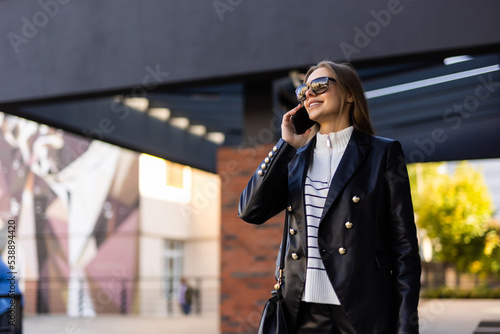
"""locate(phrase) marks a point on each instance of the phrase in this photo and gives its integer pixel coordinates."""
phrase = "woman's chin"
(313, 115)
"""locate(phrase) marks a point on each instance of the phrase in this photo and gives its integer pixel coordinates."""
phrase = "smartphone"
(301, 121)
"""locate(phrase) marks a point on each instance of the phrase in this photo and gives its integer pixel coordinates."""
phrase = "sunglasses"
(318, 86)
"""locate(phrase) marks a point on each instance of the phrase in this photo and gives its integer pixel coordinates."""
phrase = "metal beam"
(108, 120)
(441, 112)
(72, 48)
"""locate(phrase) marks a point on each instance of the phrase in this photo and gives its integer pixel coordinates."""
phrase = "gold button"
(267, 160)
(263, 166)
(277, 286)
(289, 208)
(260, 172)
(295, 256)
(342, 250)
(292, 231)
(348, 225)
(356, 199)
(275, 148)
(270, 155)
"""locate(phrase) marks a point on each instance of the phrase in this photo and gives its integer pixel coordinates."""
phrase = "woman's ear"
(349, 98)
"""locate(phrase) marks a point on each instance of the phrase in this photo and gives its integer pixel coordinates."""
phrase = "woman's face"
(324, 108)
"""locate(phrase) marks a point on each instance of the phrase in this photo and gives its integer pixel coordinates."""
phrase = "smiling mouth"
(314, 104)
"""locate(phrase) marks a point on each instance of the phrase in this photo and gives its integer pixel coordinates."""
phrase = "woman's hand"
(288, 133)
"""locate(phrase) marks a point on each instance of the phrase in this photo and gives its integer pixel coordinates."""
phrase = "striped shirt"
(327, 154)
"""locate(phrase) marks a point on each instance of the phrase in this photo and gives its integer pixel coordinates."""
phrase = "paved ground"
(130, 324)
(436, 317)
(457, 316)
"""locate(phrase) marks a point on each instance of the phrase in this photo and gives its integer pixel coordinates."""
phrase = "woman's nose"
(309, 92)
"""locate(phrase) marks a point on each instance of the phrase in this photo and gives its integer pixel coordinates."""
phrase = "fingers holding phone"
(301, 121)
(295, 126)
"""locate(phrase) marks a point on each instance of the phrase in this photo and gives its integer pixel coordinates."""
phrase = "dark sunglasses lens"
(301, 92)
(319, 85)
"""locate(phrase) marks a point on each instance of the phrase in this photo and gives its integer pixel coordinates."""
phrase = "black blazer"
(367, 235)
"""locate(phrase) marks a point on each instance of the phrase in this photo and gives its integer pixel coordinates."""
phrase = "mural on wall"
(76, 206)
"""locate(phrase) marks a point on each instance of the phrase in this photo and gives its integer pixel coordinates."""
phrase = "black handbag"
(273, 318)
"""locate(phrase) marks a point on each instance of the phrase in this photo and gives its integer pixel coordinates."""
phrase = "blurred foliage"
(482, 291)
(456, 213)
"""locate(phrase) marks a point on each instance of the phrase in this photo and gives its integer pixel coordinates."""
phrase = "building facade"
(103, 229)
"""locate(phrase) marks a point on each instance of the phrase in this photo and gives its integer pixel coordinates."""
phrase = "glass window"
(175, 174)
(173, 254)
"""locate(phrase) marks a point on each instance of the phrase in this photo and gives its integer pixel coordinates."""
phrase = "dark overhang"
(221, 71)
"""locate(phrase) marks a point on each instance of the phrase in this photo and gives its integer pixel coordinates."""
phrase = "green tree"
(455, 211)
(490, 261)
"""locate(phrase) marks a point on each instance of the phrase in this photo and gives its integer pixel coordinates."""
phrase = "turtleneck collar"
(333, 142)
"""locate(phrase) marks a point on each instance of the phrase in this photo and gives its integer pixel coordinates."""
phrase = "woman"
(352, 263)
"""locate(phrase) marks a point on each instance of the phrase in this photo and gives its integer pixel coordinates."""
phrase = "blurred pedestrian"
(186, 293)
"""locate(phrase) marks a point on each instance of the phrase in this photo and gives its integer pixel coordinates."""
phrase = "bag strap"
(283, 253)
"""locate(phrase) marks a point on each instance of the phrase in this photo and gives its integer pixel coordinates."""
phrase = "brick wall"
(248, 252)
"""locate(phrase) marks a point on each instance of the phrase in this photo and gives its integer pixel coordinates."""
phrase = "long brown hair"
(349, 84)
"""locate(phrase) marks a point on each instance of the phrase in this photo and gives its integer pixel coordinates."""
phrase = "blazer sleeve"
(404, 244)
(267, 191)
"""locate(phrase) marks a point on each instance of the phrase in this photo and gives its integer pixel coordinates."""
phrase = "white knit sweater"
(327, 154)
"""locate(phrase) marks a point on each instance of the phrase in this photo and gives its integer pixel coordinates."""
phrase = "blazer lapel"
(297, 172)
(356, 151)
